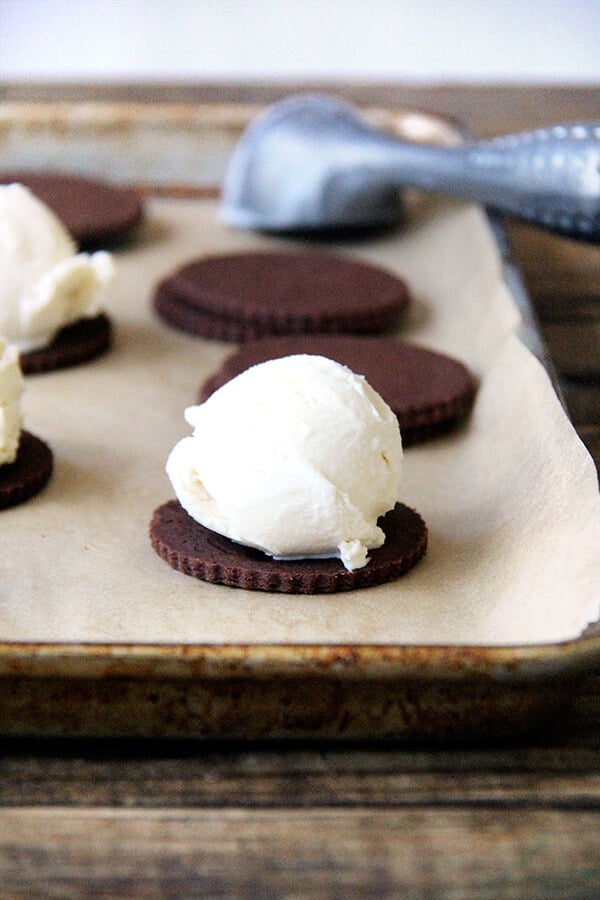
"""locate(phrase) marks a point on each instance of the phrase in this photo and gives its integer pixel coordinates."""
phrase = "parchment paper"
(511, 500)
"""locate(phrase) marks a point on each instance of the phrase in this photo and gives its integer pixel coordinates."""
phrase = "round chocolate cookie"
(429, 392)
(28, 474)
(194, 550)
(94, 212)
(74, 344)
(242, 296)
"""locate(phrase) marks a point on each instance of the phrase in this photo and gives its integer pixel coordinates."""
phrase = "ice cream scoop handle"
(550, 177)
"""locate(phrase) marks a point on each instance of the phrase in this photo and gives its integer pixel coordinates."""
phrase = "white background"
(403, 40)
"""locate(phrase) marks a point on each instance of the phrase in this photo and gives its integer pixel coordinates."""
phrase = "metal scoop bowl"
(313, 163)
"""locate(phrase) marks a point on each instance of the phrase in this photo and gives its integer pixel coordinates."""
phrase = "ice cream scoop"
(297, 457)
(45, 284)
(312, 162)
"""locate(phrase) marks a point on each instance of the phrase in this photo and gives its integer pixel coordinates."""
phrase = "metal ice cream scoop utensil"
(312, 162)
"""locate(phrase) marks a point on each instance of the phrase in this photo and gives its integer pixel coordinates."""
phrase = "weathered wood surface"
(303, 853)
(172, 819)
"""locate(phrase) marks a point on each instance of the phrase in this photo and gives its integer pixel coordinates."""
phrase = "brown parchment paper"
(511, 500)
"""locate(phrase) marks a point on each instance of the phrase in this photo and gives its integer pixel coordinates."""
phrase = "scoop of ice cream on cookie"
(25, 460)
(297, 457)
(11, 389)
(45, 283)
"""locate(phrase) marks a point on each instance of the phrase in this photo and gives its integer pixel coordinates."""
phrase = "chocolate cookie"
(242, 296)
(429, 392)
(29, 472)
(94, 212)
(80, 342)
(194, 550)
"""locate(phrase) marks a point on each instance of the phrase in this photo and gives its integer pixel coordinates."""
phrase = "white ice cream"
(44, 283)
(297, 457)
(11, 389)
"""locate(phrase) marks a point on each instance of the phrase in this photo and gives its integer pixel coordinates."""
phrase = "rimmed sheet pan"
(100, 637)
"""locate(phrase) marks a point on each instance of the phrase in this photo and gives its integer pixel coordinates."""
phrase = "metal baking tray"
(269, 690)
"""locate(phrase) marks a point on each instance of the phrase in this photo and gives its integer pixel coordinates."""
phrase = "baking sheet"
(511, 500)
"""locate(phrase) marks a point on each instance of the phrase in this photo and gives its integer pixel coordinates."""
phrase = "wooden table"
(112, 819)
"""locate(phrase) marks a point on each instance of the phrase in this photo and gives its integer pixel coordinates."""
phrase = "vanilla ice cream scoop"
(11, 389)
(44, 283)
(297, 457)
